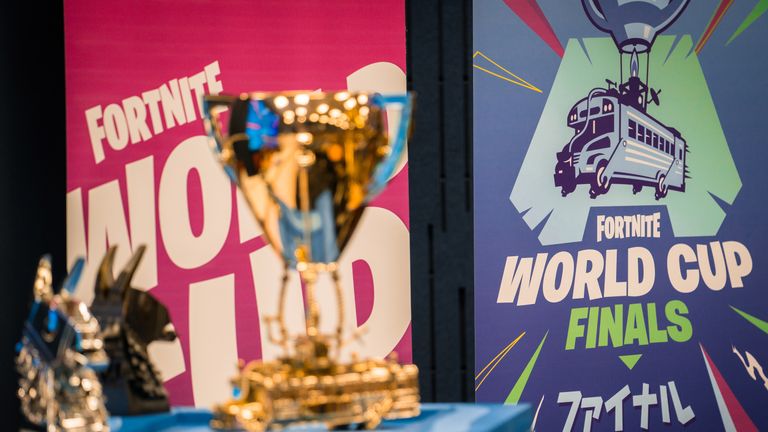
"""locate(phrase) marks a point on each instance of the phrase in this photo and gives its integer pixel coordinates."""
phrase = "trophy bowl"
(307, 164)
(633, 24)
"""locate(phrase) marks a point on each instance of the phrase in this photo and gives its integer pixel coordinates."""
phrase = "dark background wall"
(439, 47)
(32, 169)
(33, 183)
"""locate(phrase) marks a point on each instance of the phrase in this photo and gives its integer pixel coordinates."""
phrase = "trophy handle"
(221, 147)
(340, 305)
(70, 283)
(594, 15)
(397, 142)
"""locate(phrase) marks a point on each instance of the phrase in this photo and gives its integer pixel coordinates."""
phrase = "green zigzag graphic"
(757, 322)
(757, 11)
(517, 390)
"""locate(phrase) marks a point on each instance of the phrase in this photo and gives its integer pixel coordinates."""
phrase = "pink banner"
(140, 172)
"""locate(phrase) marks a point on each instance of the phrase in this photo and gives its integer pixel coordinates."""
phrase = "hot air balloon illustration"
(615, 140)
(633, 24)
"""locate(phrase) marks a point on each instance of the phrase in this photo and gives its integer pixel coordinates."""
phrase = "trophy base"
(295, 391)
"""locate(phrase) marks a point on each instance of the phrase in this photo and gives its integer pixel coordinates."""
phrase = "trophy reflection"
(308, 164)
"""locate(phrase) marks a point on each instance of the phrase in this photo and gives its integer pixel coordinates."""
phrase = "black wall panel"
(440, 174)
(32, 169)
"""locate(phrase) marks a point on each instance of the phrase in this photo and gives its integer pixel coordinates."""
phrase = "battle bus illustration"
(616, 141)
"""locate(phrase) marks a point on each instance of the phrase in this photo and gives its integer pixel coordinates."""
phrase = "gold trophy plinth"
(308, 163)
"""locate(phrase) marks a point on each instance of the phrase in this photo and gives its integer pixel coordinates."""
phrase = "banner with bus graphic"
(618, 160)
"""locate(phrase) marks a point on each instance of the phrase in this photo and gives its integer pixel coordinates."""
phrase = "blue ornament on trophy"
(633, 24)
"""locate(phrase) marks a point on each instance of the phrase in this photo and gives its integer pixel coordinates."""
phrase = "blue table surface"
(454, 417)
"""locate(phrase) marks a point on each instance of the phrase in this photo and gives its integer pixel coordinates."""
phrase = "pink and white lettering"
(139, 170)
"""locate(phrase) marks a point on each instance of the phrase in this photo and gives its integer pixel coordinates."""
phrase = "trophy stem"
(282, 340)
(307, 270)
(340, 307)
(309, 275)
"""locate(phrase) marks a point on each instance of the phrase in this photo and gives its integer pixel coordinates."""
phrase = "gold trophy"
(308, 163)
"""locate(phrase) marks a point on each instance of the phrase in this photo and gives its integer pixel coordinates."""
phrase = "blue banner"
(620, 248)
